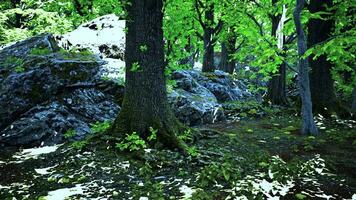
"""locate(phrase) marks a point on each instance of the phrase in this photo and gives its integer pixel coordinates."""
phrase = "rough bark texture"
(321, 82)
(227, 50)
(277, 85)
(145, 102)
(208, 57)
(353, 106)
(308, 124)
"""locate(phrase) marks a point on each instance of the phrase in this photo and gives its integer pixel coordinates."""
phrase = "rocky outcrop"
(45, 91)
(197, 96)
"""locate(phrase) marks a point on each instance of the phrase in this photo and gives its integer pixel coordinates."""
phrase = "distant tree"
(228, 48)
(145, 102)
(308, 124)
(277, 84)
(206, 17)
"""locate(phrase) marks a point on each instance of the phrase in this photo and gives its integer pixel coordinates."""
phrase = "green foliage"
(132, 142)
(153, 135)
(143, 48)
(16, 63)
(70, 133)
(186, 136)
(31, 17)
(193, 151)
(218, 172)
(100, 127)
(79, 145)
(40, 51)
(135, 67)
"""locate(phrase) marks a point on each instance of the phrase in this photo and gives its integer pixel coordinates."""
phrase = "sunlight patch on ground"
(186, 191)
(26, 154)
(62, 194)
(44, 171)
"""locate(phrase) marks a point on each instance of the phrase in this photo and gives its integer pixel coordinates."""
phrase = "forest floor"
(252, 158)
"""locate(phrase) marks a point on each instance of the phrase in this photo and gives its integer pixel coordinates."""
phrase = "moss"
(40, 51)
(84, 55)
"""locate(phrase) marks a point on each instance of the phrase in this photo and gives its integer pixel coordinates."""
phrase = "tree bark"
(277, 85)
(308, 124)
(353, 105)
(228, 63)
(145, 102)
(321, 82)
(208, 57)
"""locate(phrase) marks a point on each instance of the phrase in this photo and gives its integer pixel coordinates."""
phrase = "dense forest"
(177, 99)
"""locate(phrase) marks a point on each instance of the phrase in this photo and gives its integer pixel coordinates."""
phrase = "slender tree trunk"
(308, 124)
(145, 102)
(277, 85)
(224, 57)
(208, 57)
(321, 82)
(353, 105)
(228, 64)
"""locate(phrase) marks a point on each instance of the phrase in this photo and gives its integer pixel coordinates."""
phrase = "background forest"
(213, 99)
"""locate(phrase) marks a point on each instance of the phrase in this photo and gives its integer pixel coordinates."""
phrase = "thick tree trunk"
(321, 82)
(277, 85)
(308, 124)
(145, 102)
(208, 57)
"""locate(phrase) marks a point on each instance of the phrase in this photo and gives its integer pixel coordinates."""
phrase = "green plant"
(100, 127)
(132, 142)
(186, 136)
(19, 69)
(193, 151)
(223, 172)
(135, 67)
(153, 135)
(79, 145)
(143, 48)
(69, 133)
(18, 63)
(40, 51)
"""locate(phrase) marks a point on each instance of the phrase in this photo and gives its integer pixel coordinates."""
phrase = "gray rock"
(192, 103)
(54, 92)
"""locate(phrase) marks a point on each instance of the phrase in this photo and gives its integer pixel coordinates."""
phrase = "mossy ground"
(227, 153)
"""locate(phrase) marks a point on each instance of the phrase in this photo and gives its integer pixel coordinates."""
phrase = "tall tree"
(228, 48)
(206, 18)
(308, 124)
(277, 84)
(145, 102)
(321, 81)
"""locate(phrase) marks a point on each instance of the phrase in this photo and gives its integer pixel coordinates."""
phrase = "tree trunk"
(353, 105)
(208, 57)
(228, 63)
(308, 124)
(277, 85)
(321, 82)
(145, 102)
(224, 57)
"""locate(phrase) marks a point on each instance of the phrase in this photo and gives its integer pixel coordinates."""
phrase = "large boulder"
(105, 36)
(45, 91)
